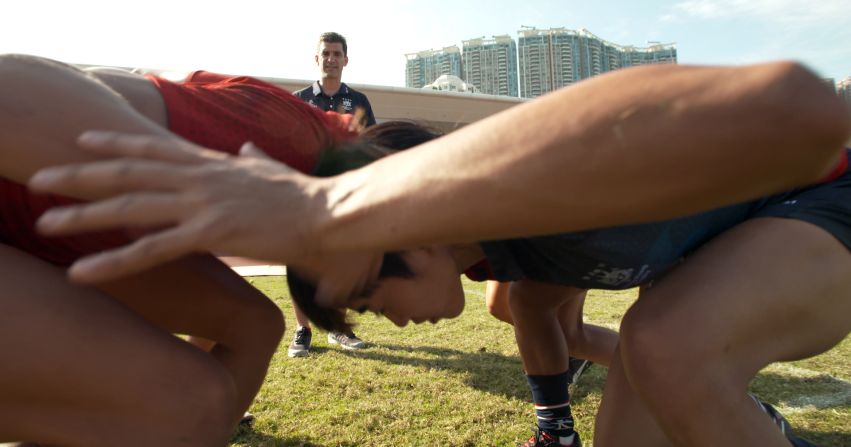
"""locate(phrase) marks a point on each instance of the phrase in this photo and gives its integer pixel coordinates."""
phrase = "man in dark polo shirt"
(330, 93)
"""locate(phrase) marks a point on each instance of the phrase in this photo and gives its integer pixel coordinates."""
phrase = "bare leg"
(496, 300)
(546, 317)
(625, 416)
(541, 339)
(244, 351)
(140, 384)
(769, 290)
(201, 296)
(586, 341)
(36, 93)
(300, 317)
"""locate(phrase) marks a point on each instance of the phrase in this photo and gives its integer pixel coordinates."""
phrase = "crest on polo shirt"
(347, 104)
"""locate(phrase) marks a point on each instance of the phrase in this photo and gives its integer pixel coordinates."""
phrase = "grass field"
(460, 383)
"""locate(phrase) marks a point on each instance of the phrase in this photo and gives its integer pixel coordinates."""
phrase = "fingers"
(144, 253)
(152, 147)
(109, 177)
(210, 201)
(129, 210)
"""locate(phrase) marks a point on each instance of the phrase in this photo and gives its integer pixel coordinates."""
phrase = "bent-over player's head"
(416, 285)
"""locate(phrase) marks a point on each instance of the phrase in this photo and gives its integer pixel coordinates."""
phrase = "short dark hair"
(400, 134)
(303, 292)
(375, 142)
(332, 37)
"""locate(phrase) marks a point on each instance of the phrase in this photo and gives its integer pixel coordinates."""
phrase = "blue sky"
(277, 38)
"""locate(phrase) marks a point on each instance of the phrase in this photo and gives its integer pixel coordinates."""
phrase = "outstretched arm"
(630, 146)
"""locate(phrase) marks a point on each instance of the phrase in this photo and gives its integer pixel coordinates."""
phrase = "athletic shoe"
(542, 438)
(345, 341)
(301, 343)
(782, 423)
(575, 368)
(247, 420)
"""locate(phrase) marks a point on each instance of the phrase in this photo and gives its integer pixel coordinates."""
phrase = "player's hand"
(199, 200)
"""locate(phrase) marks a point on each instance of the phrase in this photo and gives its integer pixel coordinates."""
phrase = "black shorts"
(827, 206)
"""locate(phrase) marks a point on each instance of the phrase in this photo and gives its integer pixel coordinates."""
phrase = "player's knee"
(258, 322)
(206, 403)
(500, 311)
(577, 340)
(649, 352)
(271, 322)
(181, 397)
(660, 360)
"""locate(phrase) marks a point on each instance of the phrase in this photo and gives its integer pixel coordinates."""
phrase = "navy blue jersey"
(346, 100)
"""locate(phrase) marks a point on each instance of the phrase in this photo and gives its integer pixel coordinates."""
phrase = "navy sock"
(552, 403)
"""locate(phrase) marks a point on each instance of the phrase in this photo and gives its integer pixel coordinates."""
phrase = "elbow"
(812, 121)
(820, 111)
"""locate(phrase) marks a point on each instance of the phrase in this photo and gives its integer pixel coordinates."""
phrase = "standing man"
(330, 93)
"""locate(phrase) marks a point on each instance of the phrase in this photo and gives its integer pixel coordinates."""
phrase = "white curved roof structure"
(451, 83)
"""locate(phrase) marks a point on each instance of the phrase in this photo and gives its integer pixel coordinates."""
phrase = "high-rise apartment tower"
(549, 59)
(491, 65)
(424, 67)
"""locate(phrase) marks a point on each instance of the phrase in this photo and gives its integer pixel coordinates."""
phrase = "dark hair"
(400, 134)
(332, 37)
(303, 292)
(376, 142)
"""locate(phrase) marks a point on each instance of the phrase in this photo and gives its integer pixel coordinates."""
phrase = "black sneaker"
(543, 438)
(782, 423)
(575, 368)
(301, 343)
(350, 341)
(247, 420)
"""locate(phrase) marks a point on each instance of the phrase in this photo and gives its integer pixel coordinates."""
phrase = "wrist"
(343, 204)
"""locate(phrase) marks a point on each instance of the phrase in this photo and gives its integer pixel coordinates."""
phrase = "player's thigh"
(199, 295)
(769, 289)
(70, 352)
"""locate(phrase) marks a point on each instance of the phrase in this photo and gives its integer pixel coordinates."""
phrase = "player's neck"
(330, 86)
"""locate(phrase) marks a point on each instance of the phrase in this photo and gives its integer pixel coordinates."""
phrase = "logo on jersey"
(347, 104)
(616, 276)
